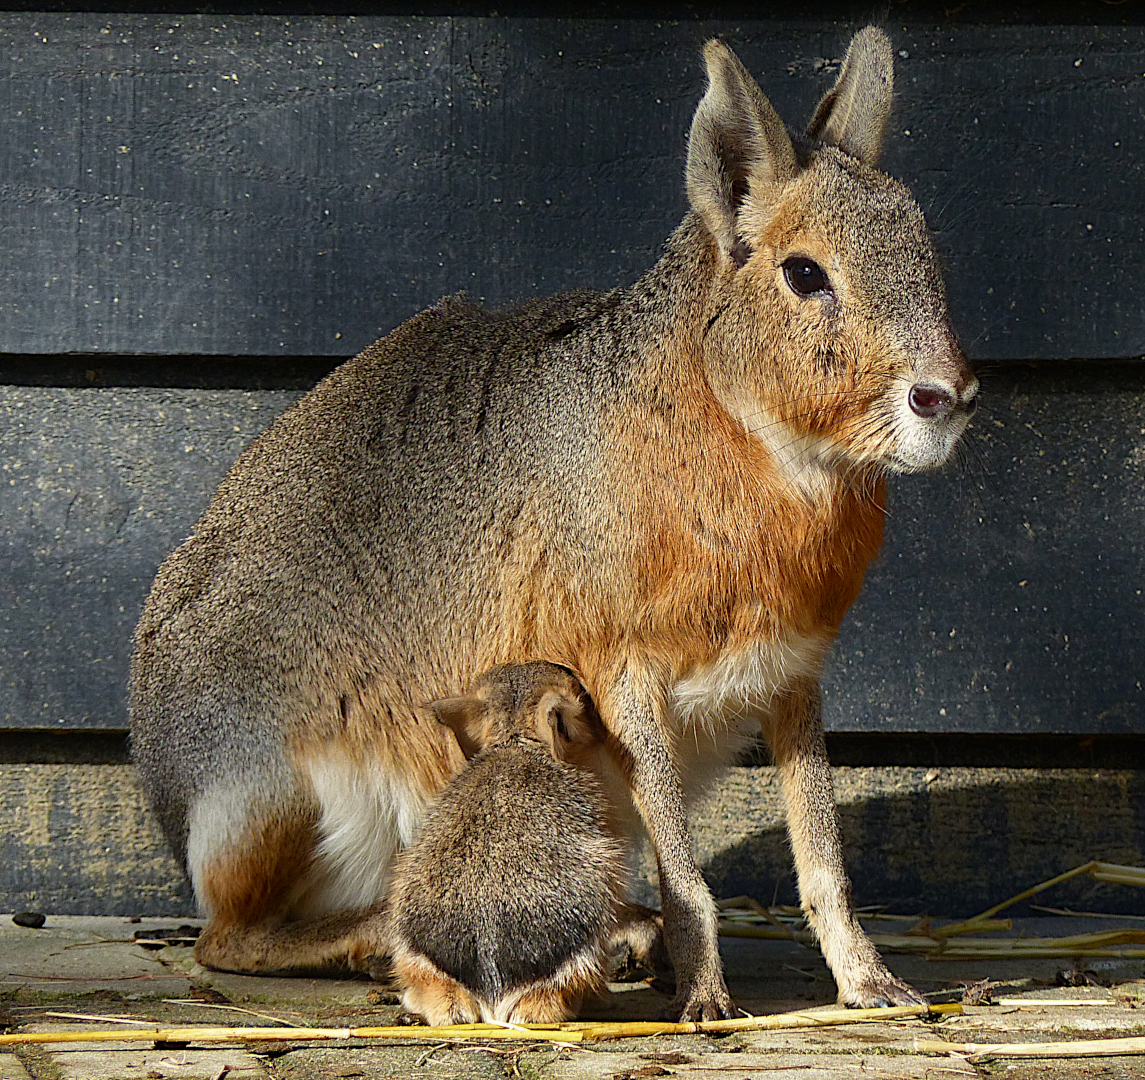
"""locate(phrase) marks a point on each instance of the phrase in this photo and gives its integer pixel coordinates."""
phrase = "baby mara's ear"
(853, 114)
(468, 718)
(564, 726)
(737, 140)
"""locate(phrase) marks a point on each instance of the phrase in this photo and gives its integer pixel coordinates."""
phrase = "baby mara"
(673, 489)
(510, 905)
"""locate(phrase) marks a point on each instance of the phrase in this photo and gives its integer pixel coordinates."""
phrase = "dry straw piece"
(1074, 1049)
(950, 942)
(1099, 871)
(1054, 1003)
(577, 1031)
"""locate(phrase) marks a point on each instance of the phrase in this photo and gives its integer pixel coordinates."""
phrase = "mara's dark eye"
(805, 276)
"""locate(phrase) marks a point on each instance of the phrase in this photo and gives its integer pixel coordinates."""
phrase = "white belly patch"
(368, 815)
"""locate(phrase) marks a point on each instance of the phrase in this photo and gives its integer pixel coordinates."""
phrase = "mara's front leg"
(795, 733)
(635, 715)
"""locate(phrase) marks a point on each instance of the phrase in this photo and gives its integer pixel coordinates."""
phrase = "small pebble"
(33, 919)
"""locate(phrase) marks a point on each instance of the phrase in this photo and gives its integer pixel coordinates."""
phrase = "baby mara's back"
(505, 907)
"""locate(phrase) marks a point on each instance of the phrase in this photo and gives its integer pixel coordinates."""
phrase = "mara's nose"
(939, 396)
(928, 399)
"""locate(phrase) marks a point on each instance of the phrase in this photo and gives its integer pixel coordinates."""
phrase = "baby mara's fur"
(505, 907)
(673, 489)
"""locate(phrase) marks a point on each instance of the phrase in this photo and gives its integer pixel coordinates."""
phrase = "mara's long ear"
(563, 725)
(468, 718)
(736, 136)
(854, 112)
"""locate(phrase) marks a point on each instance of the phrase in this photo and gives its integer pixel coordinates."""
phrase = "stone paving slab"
(192, 1064)
(77, 955)
(254, 990)
(11, 1068)
(403, 1063)
(600, 1065)
(89, 966)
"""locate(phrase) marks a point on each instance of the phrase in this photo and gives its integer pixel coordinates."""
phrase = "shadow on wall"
(78, 839)
(961, 844)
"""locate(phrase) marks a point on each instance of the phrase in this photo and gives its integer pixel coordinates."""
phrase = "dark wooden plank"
(1003, 603)
(257, 185)
(898, 749)
(90, 370)
(96, 486)
(1010, 596)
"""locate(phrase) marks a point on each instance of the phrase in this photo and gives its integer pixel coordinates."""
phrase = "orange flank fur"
(381, 727)
(251, 879)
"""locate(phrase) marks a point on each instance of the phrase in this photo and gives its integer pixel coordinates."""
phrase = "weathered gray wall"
(79, 840)
(1008, 597)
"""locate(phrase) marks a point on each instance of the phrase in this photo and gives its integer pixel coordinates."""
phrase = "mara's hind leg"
(249, 885)
(349, 942)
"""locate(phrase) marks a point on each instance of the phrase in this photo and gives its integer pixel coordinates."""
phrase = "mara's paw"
(702, 1001)
(378, 966)
(879, 989)
(637, 947)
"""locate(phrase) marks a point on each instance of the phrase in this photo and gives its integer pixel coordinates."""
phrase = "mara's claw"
(879, 990)
(700, 1002)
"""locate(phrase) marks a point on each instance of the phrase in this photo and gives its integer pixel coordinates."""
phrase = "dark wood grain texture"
(1010, 595)
(1008, 598)
(96, 487)
(253, 185)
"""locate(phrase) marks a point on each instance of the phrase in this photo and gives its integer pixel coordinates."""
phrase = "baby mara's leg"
(430, 993)
(637, 943)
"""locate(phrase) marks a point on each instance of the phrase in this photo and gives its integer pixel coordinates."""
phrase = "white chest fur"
(717, 707)
(741, 685)
(807, 463)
